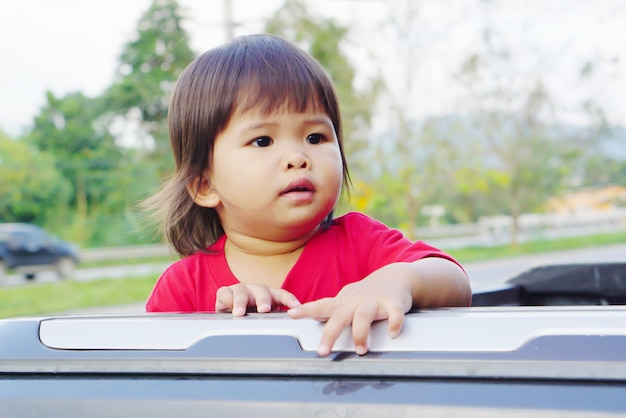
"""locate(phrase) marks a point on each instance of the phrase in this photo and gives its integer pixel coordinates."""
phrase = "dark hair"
(256, 71)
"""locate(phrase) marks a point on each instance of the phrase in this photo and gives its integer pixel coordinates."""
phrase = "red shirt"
(353, 247)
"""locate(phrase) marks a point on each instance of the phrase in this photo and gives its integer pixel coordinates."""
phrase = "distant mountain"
(459, 128)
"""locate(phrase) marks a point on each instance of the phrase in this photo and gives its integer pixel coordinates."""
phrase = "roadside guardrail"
(126, 252)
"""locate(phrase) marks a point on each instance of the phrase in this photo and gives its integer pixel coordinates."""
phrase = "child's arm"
(237, 298)
(387, 293)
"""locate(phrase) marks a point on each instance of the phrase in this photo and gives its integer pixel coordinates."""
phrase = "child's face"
(275, 176)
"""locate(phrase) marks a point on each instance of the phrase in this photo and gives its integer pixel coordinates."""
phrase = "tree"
(409, 151)
(415, 162)
(149, 66)
(30, 184)
(604, 159)
(510, 151)
(71, 129)
(529, 157)
(106, 178)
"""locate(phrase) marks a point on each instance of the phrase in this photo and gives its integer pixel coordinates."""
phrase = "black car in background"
(30, 249)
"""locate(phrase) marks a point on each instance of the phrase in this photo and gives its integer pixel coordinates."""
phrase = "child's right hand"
(239, 297)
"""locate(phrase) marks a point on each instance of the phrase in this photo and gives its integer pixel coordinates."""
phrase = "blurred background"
(471, 124)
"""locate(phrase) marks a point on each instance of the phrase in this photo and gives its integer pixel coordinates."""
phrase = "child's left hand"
(384, 294)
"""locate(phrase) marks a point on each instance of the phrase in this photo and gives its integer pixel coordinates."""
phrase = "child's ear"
(202, 192)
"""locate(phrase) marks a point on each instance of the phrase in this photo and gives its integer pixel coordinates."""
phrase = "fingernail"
(239, 312)
(323, 350)
(361, 350)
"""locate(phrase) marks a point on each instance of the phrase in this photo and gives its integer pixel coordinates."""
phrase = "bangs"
(271, 89)
(275, 76)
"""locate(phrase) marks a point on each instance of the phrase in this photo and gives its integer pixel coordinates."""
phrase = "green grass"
(59, 297)
(469, 254)
(52, 298)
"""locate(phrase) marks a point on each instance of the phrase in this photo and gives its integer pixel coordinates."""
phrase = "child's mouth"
(301, 189)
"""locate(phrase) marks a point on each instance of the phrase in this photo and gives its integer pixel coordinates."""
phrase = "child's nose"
(302, 165)
(297, 160)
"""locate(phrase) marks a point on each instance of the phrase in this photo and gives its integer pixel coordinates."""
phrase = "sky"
(73, 45)
(65, 46)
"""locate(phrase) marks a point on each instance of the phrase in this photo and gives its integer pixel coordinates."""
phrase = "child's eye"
(315, 138)
(264, 141)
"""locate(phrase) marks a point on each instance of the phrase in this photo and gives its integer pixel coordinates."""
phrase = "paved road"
(486, 274)
(87, 274)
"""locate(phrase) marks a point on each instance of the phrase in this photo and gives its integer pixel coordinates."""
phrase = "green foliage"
(530, 159)
(604, 163)
(148, 69)
(100, 179)
(530, 163)
(85, 154)
(30, 184)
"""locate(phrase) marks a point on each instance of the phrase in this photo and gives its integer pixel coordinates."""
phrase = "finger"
(395, 319)
(262, 297)
(320, 310)
(361, 323)
(224, 299)
(285, 298)
(336, 323)
(241, 298)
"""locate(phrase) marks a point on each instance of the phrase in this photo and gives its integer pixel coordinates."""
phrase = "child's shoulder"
(197, 261)
(357, 219)
(182, 264)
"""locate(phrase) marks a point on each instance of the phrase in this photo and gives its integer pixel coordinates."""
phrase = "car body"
(508, 357)
(563, 283)
(29, 249)
(484, 361)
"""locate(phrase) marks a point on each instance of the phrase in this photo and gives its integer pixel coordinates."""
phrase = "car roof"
(10, 227)
(496, 342)
(452, 330)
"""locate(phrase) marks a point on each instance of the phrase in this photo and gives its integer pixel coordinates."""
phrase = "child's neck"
(258, 261)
